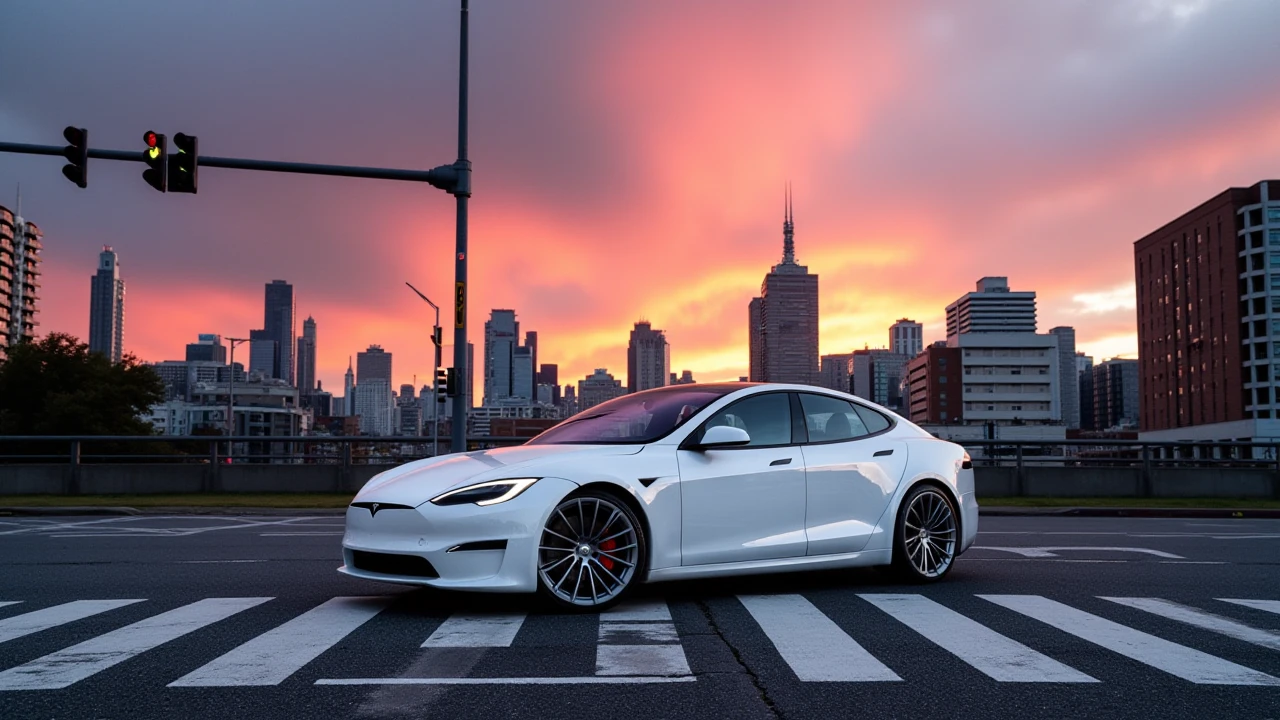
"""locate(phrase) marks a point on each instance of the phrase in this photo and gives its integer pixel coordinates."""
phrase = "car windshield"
(638, 418)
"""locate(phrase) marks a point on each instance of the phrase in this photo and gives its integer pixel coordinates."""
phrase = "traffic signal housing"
(77, 153)
(442, 384)
(451, 382)
(183, 164)
(155, 155)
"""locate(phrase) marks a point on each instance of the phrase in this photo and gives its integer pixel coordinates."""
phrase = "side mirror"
(723, 436)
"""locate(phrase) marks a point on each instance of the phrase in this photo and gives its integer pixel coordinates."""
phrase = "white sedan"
(678, 482)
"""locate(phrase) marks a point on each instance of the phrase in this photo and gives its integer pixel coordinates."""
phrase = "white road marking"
(1193, 562)
(588, 680)
(814, 646)
(656, 633)
(990, 652)
(299, 534)
(37, 620)
(638, 611)
(73, 664)
(201, 562)
(273, 656)
(1271, 606)
(1048, 552)
(472, 630)
(633, 660)
(1184, 662)
(3, 603)
(1202, 619)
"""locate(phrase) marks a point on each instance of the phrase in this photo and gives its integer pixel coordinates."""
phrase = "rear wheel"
(924, 539)
(591, 552)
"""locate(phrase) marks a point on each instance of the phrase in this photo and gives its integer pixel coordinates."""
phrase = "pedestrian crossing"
(644, 642)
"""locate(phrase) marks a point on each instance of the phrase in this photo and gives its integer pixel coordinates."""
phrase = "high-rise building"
(549, 374)
(207, 348)
(508, 365)
(1208, 294)
(992, 309)
(598, 387)
(686, 378)
(1116, 396)
(1084, 371)
(278, 322)
(834, 372)
(648, 358)
(784, 319)
(348, 390)
(106, 307)
(906, 337)
(1010, 378)
(1068, 376)
(877, 375)
(934, 386)
(19, 278)
(307, 357)
(375, 407)
(531, 342)
(373, 364)
(263, 353)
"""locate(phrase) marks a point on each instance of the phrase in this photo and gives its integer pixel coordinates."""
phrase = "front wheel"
(590, 553)
(924, 539)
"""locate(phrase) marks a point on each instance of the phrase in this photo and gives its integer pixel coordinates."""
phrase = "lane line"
(1184, 662)
(1271, 606)
(35, 621)
(638, 611)
(73, 664)
(1202, 619)
(588, 680)
(990, 652)
(300, 534)
(473, 630)
(641, 660)
(4, 603)
(273, 656)
(813, 646)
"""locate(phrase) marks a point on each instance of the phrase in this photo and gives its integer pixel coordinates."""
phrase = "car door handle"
(783, 461)
(882, 453)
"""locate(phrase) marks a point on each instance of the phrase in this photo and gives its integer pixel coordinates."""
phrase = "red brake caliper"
(606, 546)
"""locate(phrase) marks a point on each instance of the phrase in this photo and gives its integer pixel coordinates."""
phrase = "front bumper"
(968, 520)
(435, 533)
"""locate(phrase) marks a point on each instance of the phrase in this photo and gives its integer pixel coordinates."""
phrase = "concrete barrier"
(1006, 481)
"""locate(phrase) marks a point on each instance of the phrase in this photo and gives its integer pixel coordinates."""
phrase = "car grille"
(390, 564)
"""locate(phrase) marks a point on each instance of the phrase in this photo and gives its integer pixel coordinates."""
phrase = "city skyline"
(887, 187)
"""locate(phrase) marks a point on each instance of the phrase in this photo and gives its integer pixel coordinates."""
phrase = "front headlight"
(485, 493)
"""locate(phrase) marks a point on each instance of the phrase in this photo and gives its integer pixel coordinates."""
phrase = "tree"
(55, 386)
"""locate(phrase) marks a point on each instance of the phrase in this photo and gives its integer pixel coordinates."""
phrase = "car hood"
(417, 482)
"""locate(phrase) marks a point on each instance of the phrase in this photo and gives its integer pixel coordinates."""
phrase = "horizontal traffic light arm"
(454, 179)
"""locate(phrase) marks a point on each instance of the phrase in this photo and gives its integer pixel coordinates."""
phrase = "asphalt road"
(245, 617)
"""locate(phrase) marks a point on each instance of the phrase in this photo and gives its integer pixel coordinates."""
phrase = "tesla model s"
(678, 482)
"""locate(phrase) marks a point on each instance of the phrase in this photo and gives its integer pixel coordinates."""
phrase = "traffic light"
(451, 382)
(442, 384)
(437, 336)
(77, 153)
(183, 164)
(156, 157)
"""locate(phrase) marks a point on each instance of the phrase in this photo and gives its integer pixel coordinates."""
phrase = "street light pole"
(231, 389)
(435, 365)
(462, 191)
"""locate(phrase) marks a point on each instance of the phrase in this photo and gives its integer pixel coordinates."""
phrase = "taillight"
(967, 462)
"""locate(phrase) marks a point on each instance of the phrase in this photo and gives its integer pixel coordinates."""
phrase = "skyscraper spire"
(788, 233)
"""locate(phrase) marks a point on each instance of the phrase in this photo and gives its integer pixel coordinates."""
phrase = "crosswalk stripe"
(37, 620)
(638, 611)
(1202, 619)
(1271, 606)
(472, 630)
(273, 656)
(653, 660)
(62, 668)
(814, 646)
(1178, 660)
(995, 655)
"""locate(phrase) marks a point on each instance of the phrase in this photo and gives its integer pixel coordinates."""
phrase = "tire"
(591, 553)
(926, 535)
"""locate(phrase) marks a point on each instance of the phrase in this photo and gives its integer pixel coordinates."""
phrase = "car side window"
(874, 421)
(831, 419)
(766, 418)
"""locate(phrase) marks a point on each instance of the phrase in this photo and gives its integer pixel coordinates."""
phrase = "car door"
(852, 470)
(744, 503)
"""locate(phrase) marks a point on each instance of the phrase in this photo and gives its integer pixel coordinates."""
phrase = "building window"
(1273, 214)
(943, 378)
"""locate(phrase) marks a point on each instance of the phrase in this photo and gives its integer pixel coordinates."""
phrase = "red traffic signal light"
(151, 139)
(77, 153)
(155, 156)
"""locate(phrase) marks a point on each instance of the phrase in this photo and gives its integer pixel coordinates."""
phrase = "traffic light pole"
(462, 192)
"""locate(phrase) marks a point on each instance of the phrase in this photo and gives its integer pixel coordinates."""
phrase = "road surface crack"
(737, 656)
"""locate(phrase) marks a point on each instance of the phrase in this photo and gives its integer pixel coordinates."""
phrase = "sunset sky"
(630, 159)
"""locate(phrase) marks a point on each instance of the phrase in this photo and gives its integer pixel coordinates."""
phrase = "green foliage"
(55, 386)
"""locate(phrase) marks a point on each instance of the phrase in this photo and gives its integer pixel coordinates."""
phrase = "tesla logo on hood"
(374, 507)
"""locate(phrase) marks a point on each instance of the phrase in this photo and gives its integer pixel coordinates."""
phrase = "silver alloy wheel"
(929, 533)
(589, 551)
